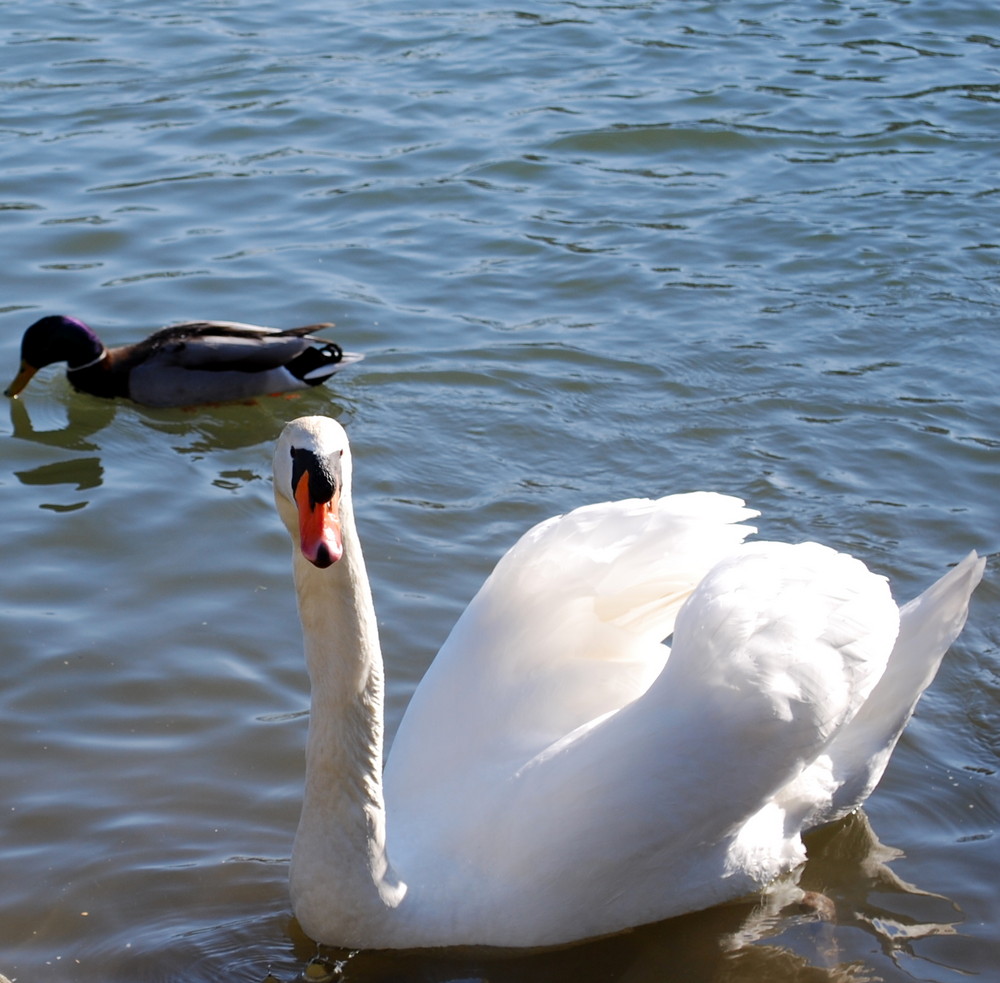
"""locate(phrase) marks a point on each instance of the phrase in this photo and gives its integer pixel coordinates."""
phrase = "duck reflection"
(73, 424)
(200, 431)
(80, 421)
(83, 473)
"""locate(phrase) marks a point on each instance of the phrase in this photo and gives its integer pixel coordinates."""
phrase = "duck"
(185, 364)
(560, 772)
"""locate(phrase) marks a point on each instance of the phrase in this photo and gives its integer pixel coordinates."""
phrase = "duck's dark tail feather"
(316, 365)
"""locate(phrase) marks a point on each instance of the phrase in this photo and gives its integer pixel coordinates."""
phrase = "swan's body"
(559, 773)
(184, 364)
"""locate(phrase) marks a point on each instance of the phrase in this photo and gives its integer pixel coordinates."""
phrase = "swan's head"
(312, 464)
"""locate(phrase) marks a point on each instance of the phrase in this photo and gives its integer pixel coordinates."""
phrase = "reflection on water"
(74, 423)
(83, 419)
(846, 884)
(83, 472)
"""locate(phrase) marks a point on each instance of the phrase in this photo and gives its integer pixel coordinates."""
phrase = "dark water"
(591, 251)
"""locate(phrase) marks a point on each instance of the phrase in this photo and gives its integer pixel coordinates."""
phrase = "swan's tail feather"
(929, 624)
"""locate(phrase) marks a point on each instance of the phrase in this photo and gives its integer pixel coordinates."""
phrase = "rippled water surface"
(591, 250)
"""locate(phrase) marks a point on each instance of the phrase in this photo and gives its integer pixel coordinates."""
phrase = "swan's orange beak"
(320, 537)
(22, 379)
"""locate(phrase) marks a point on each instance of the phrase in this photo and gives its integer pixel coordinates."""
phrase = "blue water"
(590, 250)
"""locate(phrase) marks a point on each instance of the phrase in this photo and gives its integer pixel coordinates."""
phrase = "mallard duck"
(184, 364)
(560, 773)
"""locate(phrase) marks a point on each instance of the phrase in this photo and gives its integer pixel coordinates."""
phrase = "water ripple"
(591, 250)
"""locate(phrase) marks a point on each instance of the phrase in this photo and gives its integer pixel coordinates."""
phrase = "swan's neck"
(340, 869)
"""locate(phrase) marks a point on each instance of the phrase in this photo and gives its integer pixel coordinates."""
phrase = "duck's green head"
(55, 339)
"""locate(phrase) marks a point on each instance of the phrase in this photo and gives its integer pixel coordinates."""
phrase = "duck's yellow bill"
(22, 378)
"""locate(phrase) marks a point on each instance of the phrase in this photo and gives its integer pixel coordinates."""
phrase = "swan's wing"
(674, 799)
(783, 638)
(673, 802)
(856, 759)
(566, 629)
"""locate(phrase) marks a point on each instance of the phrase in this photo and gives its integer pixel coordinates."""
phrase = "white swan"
(558, 777)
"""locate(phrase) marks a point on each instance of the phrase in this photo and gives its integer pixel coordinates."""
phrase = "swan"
(559, 773)
(184, 364)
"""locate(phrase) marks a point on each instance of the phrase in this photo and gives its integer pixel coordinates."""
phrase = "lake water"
(591, 251)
